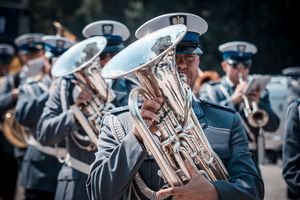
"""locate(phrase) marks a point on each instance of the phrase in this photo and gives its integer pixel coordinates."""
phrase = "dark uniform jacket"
(39, 170)
(55, 125)
(117, 163)
(213, 92)
(291, 149)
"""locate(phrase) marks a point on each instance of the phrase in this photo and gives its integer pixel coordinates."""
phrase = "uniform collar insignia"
(178, 19)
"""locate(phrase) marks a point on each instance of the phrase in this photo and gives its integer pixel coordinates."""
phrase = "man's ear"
(224, 66)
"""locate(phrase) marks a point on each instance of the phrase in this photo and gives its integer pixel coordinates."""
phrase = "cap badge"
(178, 19)
(241, 49)
(107, 29)
(30, 41)
(60, 44)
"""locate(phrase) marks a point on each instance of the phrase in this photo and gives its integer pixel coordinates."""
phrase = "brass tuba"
(256, 117)
(82, 60)
(177, 134)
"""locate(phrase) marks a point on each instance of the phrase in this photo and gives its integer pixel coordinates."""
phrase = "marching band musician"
(117, 162)
(237, 63)
(58, 120)
(291, 150)
(29, 47)
(9, 175)
(40, 165)
(115, 33)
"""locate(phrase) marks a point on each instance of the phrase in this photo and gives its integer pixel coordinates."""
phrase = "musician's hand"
(237, 95)
(149, 113)
(81, 96)
(197, 189)
(15, 93)
(255, 95)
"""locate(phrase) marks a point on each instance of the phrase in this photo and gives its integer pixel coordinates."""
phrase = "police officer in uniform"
(10, 172)
(291, 145)
(58, 122)
(237, 63)
(115, 33)
(117, 162)
(40, 164)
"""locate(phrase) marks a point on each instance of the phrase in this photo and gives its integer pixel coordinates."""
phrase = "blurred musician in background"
(237, 63)
(9, 171)
(291, 143)
(40, 165)
(59, 120)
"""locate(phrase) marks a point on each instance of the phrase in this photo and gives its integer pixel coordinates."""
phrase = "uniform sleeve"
(28, 108)
(115, 165)
(244, 183)
(291, 150)
(265, 104)
(6, 99)
(214, 94)
(55, 124)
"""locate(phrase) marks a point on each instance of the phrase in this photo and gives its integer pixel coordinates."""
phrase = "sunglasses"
(235, 63)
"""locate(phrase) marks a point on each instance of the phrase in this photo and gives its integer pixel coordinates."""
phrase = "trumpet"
(256, 117)
(176, 135)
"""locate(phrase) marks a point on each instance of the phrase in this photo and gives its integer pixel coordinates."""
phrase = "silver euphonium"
(176, 135)
(255, 116)
(82, 60)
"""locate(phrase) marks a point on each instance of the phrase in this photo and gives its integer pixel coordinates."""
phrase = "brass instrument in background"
(256, 117)
(63, 31)
(13, 131)
(82, 60)
(203, 77)
(176, 135)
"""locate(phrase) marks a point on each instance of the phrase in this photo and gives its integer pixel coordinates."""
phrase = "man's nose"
(241, 67)
(181, 64)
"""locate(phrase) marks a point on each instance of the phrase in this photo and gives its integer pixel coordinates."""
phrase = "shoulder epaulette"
(211, 104)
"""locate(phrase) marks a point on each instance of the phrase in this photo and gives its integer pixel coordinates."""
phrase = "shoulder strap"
(29, 90)
(224, 91)
(63, 95)
(43, 86)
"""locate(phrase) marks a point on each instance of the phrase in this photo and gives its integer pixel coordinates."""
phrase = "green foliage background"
(266, 23)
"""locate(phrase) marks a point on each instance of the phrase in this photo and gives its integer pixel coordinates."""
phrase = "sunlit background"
(267, 23)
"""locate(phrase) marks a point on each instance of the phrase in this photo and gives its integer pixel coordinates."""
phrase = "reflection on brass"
(13, 131)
